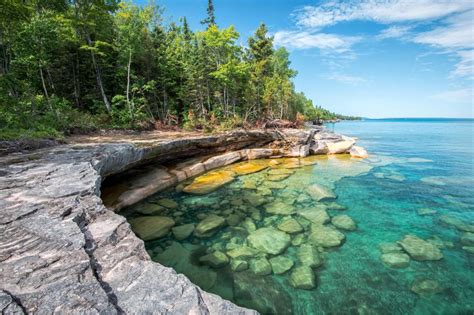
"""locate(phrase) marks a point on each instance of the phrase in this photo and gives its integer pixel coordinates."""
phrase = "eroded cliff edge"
(62, 251)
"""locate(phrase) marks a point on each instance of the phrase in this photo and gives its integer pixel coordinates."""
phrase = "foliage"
(86, 64)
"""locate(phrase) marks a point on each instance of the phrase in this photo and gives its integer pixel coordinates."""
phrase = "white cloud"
(347, 79)
(322, 41)
(465, 67)
(458, 32)
(456, 96)
(384, 11)
(394, 32)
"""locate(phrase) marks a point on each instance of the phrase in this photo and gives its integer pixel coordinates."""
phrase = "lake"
(418, 180)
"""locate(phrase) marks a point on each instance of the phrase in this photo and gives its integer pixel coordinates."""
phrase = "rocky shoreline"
(63, 251)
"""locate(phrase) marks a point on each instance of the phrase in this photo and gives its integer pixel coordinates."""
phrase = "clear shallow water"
(413, 165)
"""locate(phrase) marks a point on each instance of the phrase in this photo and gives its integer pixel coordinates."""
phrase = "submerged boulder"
(467, 239)
(426, 287)
(420, 249)
(309, 256)
(153, 227)
(150, 209)
(279, 207)
(457, 223)
(325, 236)
(216, 259)
(344, 222)
(269, 240)
(281, 264)
(317, 215)
(426, 211)
(168, 203)
(358, 152)
(386, 248)
(260, 266)
(183, 231)
(249, 167)
(395, 259)
(238, 265)
(290, 226)
(209, 182)
(302, 278)
(243, 252)
(209, 225)
(319, 193)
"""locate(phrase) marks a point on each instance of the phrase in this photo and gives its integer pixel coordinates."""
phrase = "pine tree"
(210, 20)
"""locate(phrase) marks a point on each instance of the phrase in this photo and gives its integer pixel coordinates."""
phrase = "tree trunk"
(99, 77)
(45, 89)
(128, 83)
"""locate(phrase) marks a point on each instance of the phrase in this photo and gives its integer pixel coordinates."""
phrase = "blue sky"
(385, 58)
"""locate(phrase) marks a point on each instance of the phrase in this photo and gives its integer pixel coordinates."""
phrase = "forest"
(78, 65)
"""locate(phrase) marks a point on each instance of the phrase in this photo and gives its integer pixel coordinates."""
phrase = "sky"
(369, 58)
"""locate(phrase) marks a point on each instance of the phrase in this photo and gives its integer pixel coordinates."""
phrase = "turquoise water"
(413, 164)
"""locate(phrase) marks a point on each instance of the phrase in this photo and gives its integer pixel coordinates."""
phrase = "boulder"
(149, 209)
(168, 203)
(309, 256)
(249, 167)
(419, 249)
(279, 207)
(281, 264)
(386, 248)
(243, 252)
(249, 225)
(254, 199)
(183, 231)
(260, 266)
(396, 259)
(152, 227)
(339, 147)
(319, 147)
(325, 236)
(319, 193)
(255, 154)
(298, 240)
(457, 223)
(302, 278)
(469, 249)
(358, 152)
(233, 220)
(425, 287)
(216, 259)
(269, 240)
(467, 239)
(335, 206)
(290, 225)
(344, 222)
(317, 215)
(209, 182)
(238, 265)
(209, 225)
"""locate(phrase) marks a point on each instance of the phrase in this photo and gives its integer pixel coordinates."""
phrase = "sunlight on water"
(260, 238)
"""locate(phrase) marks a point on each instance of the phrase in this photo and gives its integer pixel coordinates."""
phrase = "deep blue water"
(413, 164)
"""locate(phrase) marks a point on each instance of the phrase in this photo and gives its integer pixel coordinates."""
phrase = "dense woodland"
(69, 65)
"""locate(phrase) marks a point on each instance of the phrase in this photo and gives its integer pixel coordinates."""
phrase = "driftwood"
(280, 123)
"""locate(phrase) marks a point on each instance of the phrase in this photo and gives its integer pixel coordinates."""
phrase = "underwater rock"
(249, 225)
(243, 252)
(303, 198)
(238, 265)
(274, 185)
(396, 259)
(281, 264)
(420, 249)
(152, 227)
(467, 239)
(254, 199)
(247, 167)
(277, 178)
(216, 259)
(260, 266)
(437, 241)
(426, 211)
(319, 193)
(209, 225)
(180, 259)
(279, 207)
(168, 203)
(209, 182)
(302, 278)
(264, 191)
(183, 231)
(233, 220)
(317, 215)
(269, 240)
(290, 225)
(340, 147)
(434, 180)
(335, 206)
(325, 236)
(150, 209)
(344, 222)
(425, 287)
(309, 256)
(298, 240)
(358, 152)
(469, 249)
(457, 223)
(280, 171)
(386, 248)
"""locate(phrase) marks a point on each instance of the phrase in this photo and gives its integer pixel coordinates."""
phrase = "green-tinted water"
(413, 179)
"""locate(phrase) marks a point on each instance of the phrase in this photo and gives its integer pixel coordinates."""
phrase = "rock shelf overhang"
(63, 251)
